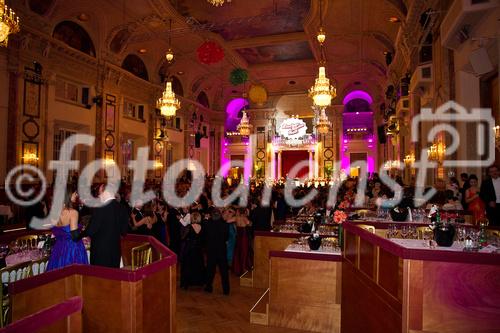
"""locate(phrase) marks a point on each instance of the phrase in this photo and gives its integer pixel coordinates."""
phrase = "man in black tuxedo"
(216, 233)
(108, 223)
(490, 194)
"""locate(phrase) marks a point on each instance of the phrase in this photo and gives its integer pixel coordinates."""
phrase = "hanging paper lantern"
(238, 76)
(258, 94)
(210, 53)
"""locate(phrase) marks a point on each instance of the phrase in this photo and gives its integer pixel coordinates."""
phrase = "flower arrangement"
(339, 216)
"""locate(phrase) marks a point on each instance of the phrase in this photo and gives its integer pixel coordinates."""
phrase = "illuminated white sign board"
(292, 128)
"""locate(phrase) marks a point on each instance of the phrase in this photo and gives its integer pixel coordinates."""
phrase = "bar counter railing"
(114, 300)
(405, 286)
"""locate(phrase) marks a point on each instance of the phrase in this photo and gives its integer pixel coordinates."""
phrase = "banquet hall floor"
(198, 311)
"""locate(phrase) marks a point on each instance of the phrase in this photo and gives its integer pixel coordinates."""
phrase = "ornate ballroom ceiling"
(273, 39)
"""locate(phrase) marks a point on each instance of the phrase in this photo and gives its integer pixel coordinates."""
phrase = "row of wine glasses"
(405, 232)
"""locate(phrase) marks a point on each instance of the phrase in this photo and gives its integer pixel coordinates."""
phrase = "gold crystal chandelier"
(323, 125)
(218, 3)
(322, 92)
(244, 127)
(9, 23)
(437, 152)
(168, 103)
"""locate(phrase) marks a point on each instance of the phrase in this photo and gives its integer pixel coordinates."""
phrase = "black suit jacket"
(216, 234)
(487, 192)
(107, 225)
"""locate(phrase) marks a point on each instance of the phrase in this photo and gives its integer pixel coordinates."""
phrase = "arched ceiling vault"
(273, 39)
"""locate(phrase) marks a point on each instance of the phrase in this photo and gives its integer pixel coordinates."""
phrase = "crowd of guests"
(207, 238)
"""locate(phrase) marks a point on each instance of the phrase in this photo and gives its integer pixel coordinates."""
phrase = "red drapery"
(289, 158)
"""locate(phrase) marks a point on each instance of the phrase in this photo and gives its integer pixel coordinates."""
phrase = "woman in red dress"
(474, 203)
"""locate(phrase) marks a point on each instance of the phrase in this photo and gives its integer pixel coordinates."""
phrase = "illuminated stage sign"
(292, 128)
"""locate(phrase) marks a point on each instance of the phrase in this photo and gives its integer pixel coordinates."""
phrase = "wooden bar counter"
(388, 287)
(264, 243)
(114, 300)
(304, 291)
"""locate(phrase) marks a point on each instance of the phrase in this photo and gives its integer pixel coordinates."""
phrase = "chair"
(367, 227)
(39, 266)
(421, 231)
(9, 275)
(142, 255)
(30, 240)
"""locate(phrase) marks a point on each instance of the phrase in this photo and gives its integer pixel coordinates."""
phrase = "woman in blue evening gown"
(68, 248)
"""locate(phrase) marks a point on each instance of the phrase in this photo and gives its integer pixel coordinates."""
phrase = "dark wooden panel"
(367, 258)
(365, 306)
(350, 247)
(390, 273)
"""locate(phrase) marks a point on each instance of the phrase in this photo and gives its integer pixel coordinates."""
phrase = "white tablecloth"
(421, 244)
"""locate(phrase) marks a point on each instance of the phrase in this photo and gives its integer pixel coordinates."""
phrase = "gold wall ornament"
(9, 23)
(168, 103)
(322, 92)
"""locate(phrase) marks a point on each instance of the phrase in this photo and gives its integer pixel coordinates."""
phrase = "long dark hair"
(70, 189)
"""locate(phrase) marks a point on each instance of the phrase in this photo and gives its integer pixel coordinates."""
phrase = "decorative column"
(279, 164)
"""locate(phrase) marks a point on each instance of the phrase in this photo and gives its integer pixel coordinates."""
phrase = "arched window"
(203, 99)
(41, 7)
(119, 41)
(74, 36)
(177, 86)
(136, 66)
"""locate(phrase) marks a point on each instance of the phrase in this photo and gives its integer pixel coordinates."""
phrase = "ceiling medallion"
(168, 103)
(9, 23)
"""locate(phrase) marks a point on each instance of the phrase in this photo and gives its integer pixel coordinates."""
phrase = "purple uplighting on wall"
(233, 108)
(357, 94)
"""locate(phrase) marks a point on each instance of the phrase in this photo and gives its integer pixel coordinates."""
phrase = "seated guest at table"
(464, 177)
(452, 203)
(68, 248)
(216, 232)
(474, 202)
(191, 257)
(242, 259)
(108, 223)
